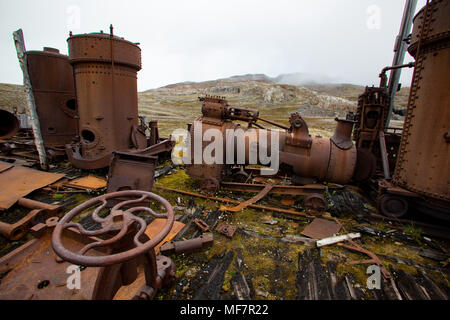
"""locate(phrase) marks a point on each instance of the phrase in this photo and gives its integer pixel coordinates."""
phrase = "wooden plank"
(332, 240)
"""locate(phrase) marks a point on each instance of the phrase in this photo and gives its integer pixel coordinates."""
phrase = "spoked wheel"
(392, 206)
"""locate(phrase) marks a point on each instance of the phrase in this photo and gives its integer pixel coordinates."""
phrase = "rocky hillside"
(177, 104)
(12, 95)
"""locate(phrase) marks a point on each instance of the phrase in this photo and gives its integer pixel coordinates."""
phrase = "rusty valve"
(119, 224)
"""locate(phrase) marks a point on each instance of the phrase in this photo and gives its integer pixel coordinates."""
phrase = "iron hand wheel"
(118, 222)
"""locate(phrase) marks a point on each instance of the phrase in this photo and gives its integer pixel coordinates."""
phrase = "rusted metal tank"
(423, 159)
(105, 68)
(9, 124)
(51, 77)
(306, 157)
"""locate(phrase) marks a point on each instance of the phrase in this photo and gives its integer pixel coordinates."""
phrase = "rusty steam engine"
(303, 157)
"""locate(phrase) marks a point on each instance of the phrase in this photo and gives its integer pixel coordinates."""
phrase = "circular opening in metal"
(88, 136)
(71, 104)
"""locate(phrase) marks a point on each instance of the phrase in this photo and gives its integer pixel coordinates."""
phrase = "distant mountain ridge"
(288, 78)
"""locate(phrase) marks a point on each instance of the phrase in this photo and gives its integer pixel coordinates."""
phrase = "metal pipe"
(383, 77)
(400, 50)
(384, 156)
(274, 124)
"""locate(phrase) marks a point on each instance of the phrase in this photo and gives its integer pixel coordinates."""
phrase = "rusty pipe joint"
(298, 133)
(342, 136)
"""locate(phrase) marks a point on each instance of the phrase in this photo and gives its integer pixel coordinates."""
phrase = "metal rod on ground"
(254, 206)
(21, 55)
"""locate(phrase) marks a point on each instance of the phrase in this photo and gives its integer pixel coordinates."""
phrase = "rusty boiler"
(51, 77)
(105, 68)
(423, 160)
(306, 158)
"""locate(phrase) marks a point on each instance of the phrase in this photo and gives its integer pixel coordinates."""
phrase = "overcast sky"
(339, 40)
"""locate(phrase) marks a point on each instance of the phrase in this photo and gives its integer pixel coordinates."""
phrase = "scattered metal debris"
(315, 203)
(320, 228)
(39, 211)
(187, 246)
(89, 182)
(131, 171)
(255, 206)
(18, 182)
(201, 224)
(226, 229)
(245, 204)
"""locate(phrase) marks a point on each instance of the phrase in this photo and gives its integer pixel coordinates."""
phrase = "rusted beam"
(281, 189)
(254, 206)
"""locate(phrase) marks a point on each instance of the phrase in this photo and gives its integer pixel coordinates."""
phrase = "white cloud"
(202, 40)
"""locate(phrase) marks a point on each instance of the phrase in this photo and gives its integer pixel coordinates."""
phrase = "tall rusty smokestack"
(423, 159)
(105, 69)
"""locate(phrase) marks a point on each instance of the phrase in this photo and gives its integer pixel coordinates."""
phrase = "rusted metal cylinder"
(9, 124)
(423, 159)
(51, 77)
(105, 68)
(319, 158)
(331, 160)
(33, 204)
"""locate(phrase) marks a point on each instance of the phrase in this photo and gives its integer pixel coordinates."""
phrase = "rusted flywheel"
(118, 224)
(315, 203)
(392, 206)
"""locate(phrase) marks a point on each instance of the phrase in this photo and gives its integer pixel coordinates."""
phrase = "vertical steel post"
(400, 51)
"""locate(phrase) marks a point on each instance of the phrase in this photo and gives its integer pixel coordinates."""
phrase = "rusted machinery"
(423, 159)
(128, 244)
(131, 171)
(377, 145)
(305, 157)
(111, 244)
(39, 211)
(9, 124)
(51, 77)
(420, 161)
(105, 68)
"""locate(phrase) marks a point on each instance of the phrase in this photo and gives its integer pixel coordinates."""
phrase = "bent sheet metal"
(17, 182)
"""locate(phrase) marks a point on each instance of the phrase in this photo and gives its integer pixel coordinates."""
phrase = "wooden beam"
(21, 55)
